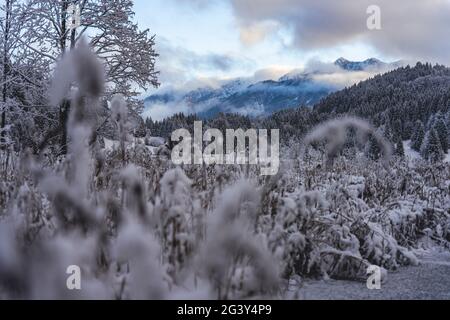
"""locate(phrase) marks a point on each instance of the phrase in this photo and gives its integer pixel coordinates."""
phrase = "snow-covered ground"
(410, 153)
(111, 144)
(153, 143)
(413, 155)
(429, 280)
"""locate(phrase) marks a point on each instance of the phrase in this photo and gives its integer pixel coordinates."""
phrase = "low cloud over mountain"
(263, 94)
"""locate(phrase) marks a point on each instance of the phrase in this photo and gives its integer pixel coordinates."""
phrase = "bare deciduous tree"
(127, 53)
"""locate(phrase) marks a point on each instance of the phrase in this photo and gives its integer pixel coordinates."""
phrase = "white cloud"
(257, 32)
(161, 111)
(411, 29)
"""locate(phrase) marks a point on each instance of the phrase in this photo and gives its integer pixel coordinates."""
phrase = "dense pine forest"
(405, 104)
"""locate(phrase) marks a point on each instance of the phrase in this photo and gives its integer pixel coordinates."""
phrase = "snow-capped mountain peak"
(299, 87)
(359, 65)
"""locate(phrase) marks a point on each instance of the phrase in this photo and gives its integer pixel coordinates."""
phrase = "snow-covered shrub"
(335, 135)
(237, 263)
(137, 257)
(177, 220)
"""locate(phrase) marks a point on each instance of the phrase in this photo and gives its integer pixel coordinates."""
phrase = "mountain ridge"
(395, 101)
(294, 89)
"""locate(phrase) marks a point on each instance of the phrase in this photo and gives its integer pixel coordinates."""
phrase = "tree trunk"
(8, 7)
(63, 38)
(64, 107)
(64, 111)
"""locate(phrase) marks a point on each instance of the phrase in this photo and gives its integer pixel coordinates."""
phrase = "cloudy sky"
(202, 41)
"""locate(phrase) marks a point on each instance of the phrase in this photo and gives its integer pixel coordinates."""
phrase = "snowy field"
(413, 155)
(429, 280)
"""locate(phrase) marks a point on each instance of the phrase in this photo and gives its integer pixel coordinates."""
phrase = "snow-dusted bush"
(237, 263)
(335, 135)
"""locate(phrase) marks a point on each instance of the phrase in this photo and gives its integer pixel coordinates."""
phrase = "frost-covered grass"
(144, 229)
(140, 228)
